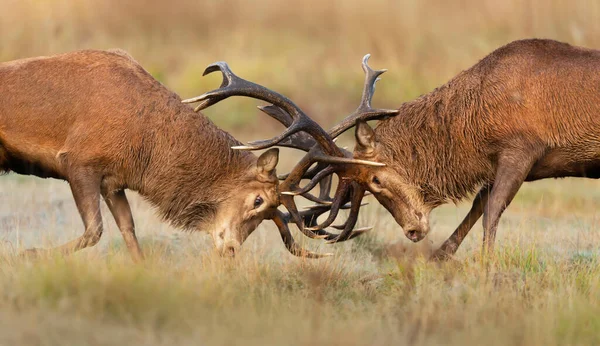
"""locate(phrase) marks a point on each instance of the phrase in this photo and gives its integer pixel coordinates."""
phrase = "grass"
(542, 287)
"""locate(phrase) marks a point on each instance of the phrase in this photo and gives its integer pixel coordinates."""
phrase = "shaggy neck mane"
(191, 168)
(433, 141)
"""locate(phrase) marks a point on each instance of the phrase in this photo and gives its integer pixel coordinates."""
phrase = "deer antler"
(233, 85)
(282, 224)
(319, 145)
(364, 111)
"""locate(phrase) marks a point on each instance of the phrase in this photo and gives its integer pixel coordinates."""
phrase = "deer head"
(252, 200)
(390, 184)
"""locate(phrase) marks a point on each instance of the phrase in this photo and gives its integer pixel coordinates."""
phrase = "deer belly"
(561, 163)
(29, 159)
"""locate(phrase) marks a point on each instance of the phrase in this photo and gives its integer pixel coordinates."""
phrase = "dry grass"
(541, 289)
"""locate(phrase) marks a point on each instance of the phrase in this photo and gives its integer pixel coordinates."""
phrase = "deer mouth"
(415, 235)
(230, 249)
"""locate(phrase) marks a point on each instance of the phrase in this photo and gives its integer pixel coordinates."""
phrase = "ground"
(541, 288)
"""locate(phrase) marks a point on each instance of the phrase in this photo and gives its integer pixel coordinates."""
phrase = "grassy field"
(542, 288)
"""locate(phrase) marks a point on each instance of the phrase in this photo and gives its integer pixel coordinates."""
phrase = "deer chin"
(225, 243)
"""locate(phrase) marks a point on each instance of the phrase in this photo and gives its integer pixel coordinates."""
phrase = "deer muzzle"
(225, 243)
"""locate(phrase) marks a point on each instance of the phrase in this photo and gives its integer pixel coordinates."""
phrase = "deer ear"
(365, 137)
(267, 162)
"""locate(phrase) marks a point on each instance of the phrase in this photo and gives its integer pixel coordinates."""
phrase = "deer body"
(98, 120)
(530, 110)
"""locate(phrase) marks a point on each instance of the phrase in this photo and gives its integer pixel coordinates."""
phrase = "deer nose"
(230, 249)
(415, 235)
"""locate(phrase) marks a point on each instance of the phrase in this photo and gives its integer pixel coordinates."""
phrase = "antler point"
(242, 147)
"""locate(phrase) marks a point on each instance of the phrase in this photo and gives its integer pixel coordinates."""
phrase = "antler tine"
(309, 174)
(364, 111)
(290, 184)
(310, 216)
(356, 199)
(313, 198)
(233, 85)
(345, 160)
(210, 98)
(325, 187)
(278, 114)
(342, 226)
(338, 201)
(355, 233)
(288, 239)
(318, 178)
(371, 77)
(299, 140)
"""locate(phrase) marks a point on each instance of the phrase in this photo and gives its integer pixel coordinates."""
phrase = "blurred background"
(309, 50)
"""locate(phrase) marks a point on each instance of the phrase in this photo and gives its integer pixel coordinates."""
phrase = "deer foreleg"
(510, 175)
(119, 207)
(450, 246)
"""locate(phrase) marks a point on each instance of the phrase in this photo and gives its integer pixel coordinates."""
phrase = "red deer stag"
(98, 120)
(527, 111)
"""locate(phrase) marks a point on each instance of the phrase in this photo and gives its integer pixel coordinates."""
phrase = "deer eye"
(258, 202)
(376, 181)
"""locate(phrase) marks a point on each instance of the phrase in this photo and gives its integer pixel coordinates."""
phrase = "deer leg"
(86, 192)
(119, 207)
(510, 175)
(450, 246)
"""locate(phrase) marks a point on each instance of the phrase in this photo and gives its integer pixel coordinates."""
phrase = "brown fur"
(532, 103)
(99, 113)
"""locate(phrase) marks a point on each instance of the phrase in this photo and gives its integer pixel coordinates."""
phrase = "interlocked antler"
(320, 147)
(281, 221)
(364, 112)
(311, 214)
(293, 118)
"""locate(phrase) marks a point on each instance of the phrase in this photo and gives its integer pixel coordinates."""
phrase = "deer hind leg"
(450, 246)
(511, 173)
(119, 207)
(85, 187)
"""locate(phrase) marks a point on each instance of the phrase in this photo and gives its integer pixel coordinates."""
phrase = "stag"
(98, 120)
(525, 112)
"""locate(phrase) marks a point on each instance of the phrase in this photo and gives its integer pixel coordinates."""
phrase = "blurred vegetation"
(309, 50)
(520, 298)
